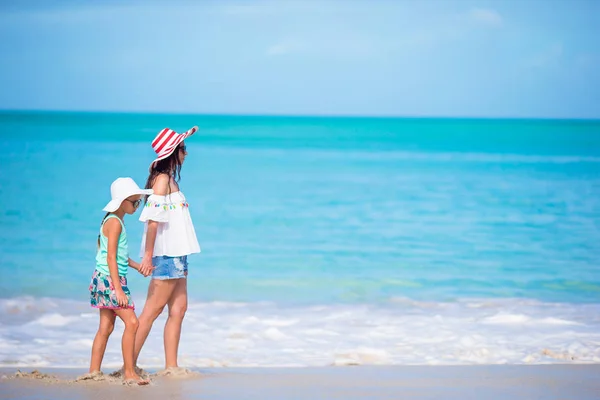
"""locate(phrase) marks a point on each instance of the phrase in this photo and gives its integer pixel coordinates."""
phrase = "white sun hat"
(121, 189)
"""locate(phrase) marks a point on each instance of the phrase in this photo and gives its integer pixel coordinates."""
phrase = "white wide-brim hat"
(166, 141)
(121, 189)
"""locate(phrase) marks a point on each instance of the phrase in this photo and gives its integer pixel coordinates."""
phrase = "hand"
(121, 298)
(136, 266)
(146, 267)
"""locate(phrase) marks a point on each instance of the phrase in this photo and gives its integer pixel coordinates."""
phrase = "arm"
(112, 230)
(137, 266)
(133, 264)
(150, 238)
(160, 188)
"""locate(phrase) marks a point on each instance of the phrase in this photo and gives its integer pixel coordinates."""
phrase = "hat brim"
(114, 204)
(180, 139)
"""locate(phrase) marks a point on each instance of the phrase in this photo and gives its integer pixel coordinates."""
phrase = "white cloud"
(546, 57)
(334, 44)
(452, 27)
(486, 17)
(244, 9)
(286, 46)
(279, 49)
(265, 8)
(587, 60)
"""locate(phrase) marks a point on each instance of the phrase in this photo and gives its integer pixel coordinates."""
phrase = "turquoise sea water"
(301, 214)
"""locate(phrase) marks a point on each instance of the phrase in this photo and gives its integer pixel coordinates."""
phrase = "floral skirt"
(103, 295)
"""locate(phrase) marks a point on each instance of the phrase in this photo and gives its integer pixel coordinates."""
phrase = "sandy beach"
(364, 382)
(300, 199)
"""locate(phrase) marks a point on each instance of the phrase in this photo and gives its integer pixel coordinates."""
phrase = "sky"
(455, 58)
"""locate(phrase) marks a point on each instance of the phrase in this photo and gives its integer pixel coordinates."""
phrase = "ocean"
(325, 240)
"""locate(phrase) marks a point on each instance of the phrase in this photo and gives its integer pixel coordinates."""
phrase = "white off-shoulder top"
(176, 236)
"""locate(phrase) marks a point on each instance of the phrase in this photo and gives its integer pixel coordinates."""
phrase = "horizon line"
(283, 115)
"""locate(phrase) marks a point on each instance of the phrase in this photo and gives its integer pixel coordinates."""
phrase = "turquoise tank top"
(122, 251)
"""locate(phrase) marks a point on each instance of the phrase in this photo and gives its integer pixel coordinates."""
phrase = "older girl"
(169, 237)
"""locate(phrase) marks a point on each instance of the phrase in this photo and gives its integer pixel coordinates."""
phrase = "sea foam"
(398, 332)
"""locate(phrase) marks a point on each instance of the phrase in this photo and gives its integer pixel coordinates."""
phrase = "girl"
(108, 289)
(168, 239)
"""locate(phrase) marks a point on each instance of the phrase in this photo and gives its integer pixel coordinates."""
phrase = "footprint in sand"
(91, 376)
(176, 372)
(35, 374)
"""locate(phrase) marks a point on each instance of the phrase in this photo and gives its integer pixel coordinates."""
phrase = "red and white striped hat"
(167, 140)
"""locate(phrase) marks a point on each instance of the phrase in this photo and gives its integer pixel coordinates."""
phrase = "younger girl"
(108, 289)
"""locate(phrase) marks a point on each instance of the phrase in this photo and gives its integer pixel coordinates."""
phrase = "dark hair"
(103, 219)
(170, 166)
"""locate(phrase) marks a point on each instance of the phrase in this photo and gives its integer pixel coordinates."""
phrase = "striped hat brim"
(167, 140)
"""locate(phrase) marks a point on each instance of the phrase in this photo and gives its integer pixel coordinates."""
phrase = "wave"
(48, 332)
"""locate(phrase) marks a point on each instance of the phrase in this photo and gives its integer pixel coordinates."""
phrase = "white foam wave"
(506, 319)
(54, 320)
(52, 332)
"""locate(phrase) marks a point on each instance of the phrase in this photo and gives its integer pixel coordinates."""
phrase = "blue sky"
(407, 58)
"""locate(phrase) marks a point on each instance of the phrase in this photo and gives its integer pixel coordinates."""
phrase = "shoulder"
(112, 226)
(161, 184)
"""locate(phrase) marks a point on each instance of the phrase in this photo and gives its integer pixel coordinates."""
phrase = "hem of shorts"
(166, 278)
(115, 308)
(171, 256)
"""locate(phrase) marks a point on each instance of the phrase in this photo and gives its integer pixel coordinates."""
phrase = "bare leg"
(177, 308)
(107, 324)
(131, 327)
(159, 292)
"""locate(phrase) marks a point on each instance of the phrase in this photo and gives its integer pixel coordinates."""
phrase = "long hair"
(102, 223)
(170, 166)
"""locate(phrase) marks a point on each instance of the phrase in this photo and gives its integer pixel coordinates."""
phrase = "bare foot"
(133, 378)
(120, 372)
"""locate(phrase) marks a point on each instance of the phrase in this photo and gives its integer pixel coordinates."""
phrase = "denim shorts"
(169, 267)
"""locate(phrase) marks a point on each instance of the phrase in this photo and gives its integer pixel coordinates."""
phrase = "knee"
(177, 312)
(106, 329)
(152, 313)
(132, 323)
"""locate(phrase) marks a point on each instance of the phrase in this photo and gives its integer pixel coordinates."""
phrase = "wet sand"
(363, 382)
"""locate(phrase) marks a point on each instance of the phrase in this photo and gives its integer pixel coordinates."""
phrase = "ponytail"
(103, 219)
